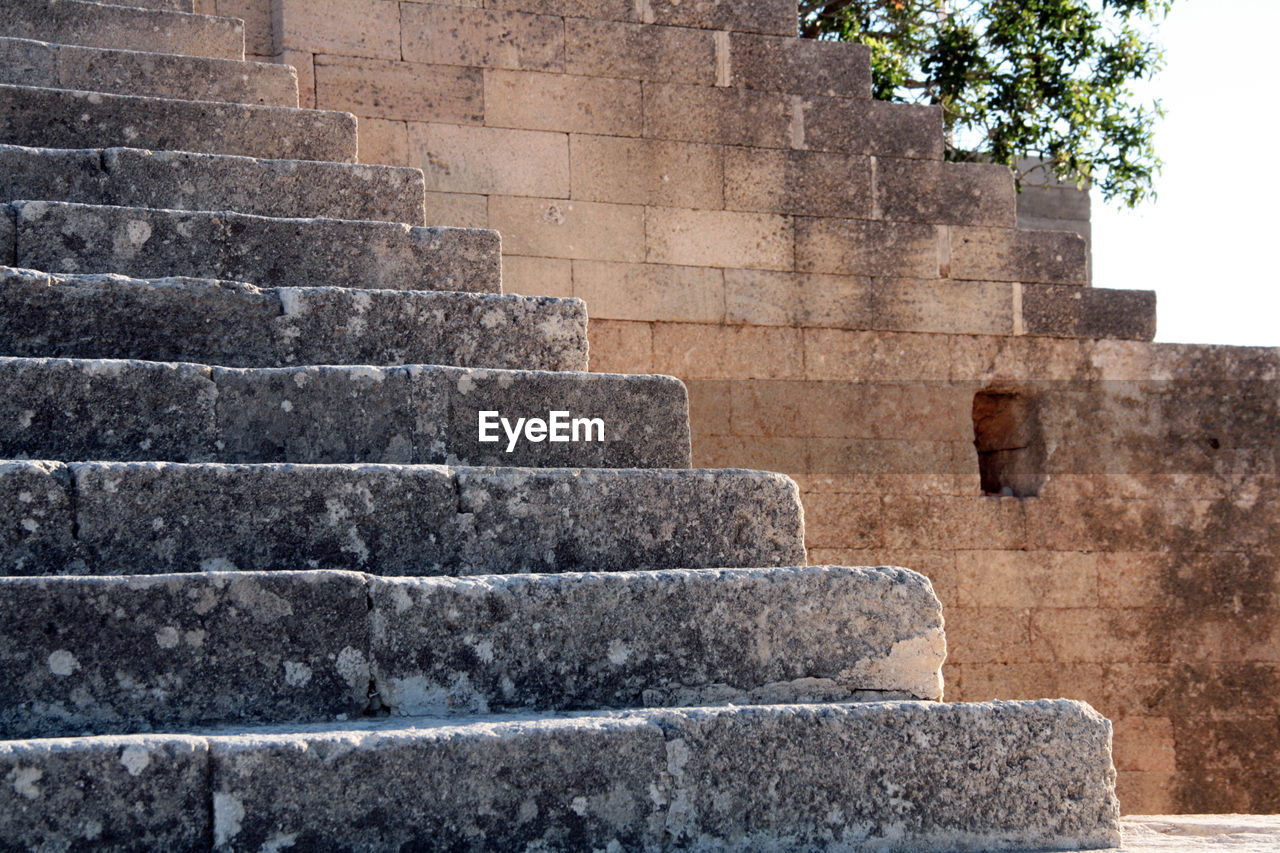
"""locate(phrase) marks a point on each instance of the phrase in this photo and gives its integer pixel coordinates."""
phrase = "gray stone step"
(171, 411)
(65, 118)
(171, 5)
(890, 776)
(154, 518)
(238, 325)
(266, 251)
(123, 27)
(176, 180)
(24, 62)
(118, 655)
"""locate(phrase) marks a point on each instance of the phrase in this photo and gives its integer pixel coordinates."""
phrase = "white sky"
(1206, 246)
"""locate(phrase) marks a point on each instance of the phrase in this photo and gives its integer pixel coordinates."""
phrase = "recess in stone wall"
(1009, 441)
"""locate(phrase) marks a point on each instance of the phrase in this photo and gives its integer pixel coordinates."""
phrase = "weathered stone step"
(171, 5)
(66, 118)
(891, 776)
(154, 518)
(128, 654)
(171, 411)
(179, 180)
(124, 27)
(266, 251)
(24, 62)
(239, 325)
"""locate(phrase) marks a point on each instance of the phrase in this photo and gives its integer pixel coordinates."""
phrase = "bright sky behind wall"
(1210, 246)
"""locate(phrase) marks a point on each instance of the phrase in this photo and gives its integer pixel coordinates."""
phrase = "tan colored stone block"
(887, 465)
(482, 38)
(537, 276)
(813, 183)
(762, 298)
(1144, 743)
(802, 66)
(716, 115)
(905, 305)
(640, 51)
(400, 90)
(987, 635)
(1033, 579)
(875, 356)
(383, 142)
(1147, 793)
(879, 484)
(937, 566)
(699, 351)
(256, 15)
(560, 102)
(1005, 254)
(464, 159)
(618, 346)
(615, 291)
(948, 193)
(708, 407)
(783, 455)
(970, 522)
(1091, 635)
(851, 521)
(646, 171)
(716, 238)
(303, 64)
(549, 228)
(368, 28)
(458, 210)
(861, 126)
(983, 682)
(860, 247)
(895, 412)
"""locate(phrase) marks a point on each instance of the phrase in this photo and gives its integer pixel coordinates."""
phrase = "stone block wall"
(847, 308)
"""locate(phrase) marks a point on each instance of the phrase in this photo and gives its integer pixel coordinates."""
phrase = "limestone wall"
(841, 303)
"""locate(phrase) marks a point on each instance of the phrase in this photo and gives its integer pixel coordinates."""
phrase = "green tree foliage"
(1019, 78)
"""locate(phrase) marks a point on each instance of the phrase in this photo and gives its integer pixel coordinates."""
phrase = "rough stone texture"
(238, 325)
(265, 251)
(1087, 312)
(802, 66)
(127, 792)
(126, 410)
(1235, 833)
(117, 27)
(912, 777)
(156, 75)
(864, 126)
(60, 118)
(691, 637)
(1006, 254)
(149, 517)
(116, 655)
(938, 191)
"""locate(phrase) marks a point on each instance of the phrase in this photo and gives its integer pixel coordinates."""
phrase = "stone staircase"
(264, 587)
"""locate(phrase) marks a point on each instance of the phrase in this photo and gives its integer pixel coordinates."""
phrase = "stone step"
(154, 518)
(123, 27)
(171, 5)
(127, 654)
(178, 180)
(238, 325)
(65, 118)
(24, 62)
(266, 251)
(171, 411)
(891, 776)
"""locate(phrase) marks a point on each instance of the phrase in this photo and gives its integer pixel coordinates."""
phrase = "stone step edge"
(275, 647)
(391, 520)
(289, 183)
(155, 20)
(893, 775)
(285, 326)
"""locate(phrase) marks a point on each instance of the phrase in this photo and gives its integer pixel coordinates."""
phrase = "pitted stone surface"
(545, 521)
(153, 517)
(266, 251)
(688, 637)
(65, 118)
(133, 654)
(112, 409)
(112, 26)
(239, 325)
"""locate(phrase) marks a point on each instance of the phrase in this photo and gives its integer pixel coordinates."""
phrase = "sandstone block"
(879, 128)
(271, 252)
(561, 102)
(386, 142)
(400, 90)
(36, 518)
(883, 356)
(696, 351)
(58, 118)
(650, 291)
(715, 238)
(645, 171)
(133, 654)
(1027, 579)
(460, 159)
(459, 210)
(123, 28)
(368, 28)
(906, 305)
(552, 228)
(618, 346)
(861, 247)
(164, 778)
(948, 193)
(805, 182)
(482, 38)
(801, 66)
(1088, 312)
(718, 116)
(597, 48)
(542, 276)
(1005, 254)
